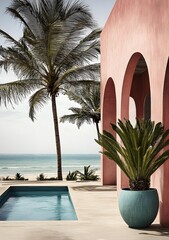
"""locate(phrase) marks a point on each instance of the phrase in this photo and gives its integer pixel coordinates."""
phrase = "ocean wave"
(8, 168)
(80, 166)
(26, 167)
(24, 164)
(45, 167)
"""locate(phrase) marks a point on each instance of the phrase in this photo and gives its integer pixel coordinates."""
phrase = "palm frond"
(76, 98)
(20, 61)
(88, 174)
(26, 12)
(69, 117)
(89, 72)
(85, 51)
(37, 101)
(78, 116)
(9, 38)
(88, 97)
(17, 91)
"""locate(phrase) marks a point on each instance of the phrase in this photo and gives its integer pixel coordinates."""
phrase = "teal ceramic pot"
(138, 208)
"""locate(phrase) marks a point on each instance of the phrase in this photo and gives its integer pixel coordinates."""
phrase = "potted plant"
(142, 149)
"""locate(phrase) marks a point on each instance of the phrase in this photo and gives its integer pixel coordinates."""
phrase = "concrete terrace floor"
(98, 218)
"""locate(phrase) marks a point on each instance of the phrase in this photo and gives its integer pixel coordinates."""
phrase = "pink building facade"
(134, 64)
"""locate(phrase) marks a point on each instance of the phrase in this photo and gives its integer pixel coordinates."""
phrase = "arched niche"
(135, 85)
(108, 117)
(164, 205)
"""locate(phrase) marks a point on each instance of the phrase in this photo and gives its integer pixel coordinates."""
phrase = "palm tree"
(87, 95)
(57, 47)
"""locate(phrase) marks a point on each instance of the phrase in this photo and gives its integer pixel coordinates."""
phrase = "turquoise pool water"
(36, 203)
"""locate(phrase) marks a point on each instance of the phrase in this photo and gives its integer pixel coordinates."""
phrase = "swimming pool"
(29, 203)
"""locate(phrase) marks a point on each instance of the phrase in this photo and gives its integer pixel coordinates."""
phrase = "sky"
(18, 134)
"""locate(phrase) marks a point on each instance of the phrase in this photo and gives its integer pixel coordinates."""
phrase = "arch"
(127, 83)
(164, 208)
(108, 116)
(136, 85)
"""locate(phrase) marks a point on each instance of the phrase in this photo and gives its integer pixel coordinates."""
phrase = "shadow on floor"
(156, 230)
(95, 188)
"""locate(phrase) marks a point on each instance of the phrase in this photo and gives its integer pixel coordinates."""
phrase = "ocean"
(10, 164)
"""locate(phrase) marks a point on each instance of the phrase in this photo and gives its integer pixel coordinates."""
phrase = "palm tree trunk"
(57, 137)
(97, 128)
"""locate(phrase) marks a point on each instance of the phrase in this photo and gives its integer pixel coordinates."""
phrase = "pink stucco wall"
(136, 29)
